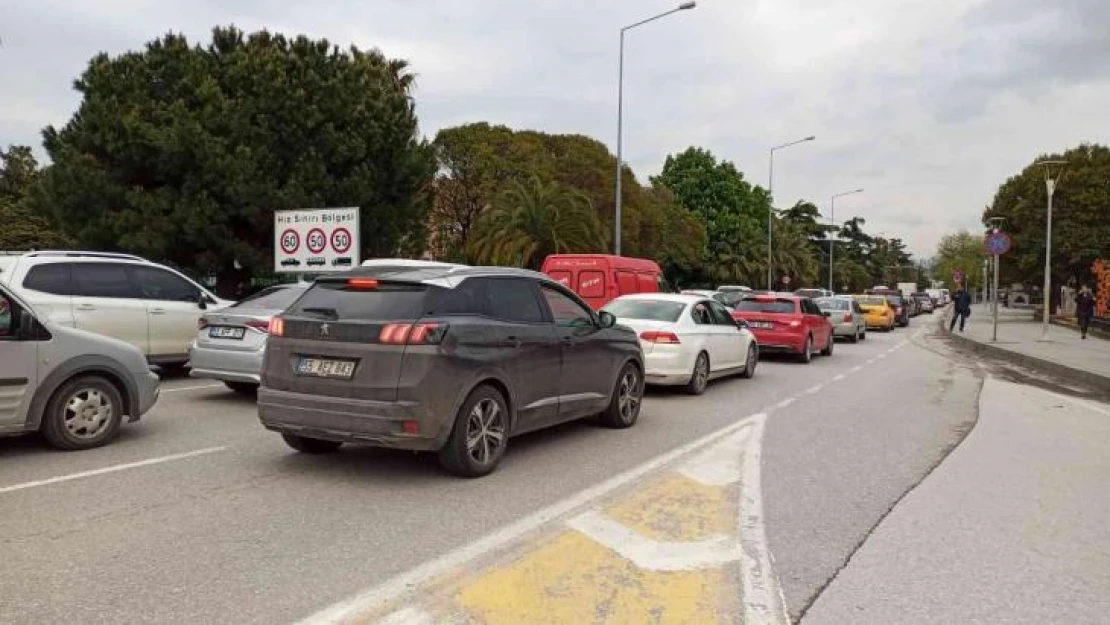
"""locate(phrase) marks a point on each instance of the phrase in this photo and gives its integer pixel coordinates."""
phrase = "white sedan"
(687, 340)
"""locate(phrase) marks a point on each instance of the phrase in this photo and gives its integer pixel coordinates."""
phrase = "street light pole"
(832, 226)
(620, 119)
(771, 205)
(1050, 186)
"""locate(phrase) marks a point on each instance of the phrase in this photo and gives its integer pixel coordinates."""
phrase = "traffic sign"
(958, 275)
(997, 243)
(316, 240)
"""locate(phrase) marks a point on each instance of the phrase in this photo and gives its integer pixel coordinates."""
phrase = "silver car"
(73, 386)
(230, 342)
(846, 316)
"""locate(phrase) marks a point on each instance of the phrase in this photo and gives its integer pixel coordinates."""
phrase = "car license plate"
(226, 332)
(322, 368)
(766, 325)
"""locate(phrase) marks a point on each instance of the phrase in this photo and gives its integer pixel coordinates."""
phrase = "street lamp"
(685, 6)
(1050, 186)
(832, 224)
(771, 207)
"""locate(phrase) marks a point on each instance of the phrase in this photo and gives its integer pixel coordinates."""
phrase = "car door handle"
(513, 341)
(86, 307)
(157, 311)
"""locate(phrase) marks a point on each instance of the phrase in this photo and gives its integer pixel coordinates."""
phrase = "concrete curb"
(1100, 382)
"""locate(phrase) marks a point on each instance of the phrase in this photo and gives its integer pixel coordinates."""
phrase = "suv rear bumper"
(347, 420)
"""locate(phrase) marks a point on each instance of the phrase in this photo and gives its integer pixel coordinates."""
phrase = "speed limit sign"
(316, 240)
(340, 240)
(290, 241)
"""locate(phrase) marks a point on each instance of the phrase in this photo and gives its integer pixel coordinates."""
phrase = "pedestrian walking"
(962, 310)
(1084, 309)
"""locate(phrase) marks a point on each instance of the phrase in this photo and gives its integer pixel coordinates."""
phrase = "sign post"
(316, 240)
(997, 243)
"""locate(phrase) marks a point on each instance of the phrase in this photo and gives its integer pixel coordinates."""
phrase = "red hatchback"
(783, 322)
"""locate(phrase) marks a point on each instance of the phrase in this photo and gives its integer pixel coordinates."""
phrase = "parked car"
(897, 301)
(687, 340)
(119, 295)
(230, 343)
(924, 302)
(448, 359)
(600, 278)
(787, 323)
(846, 317)
(878, 312)
(74, 387)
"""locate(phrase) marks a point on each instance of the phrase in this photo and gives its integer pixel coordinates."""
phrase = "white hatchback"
(119, 295)
(688, 340)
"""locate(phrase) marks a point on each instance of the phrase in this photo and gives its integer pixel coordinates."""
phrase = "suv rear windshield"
(832, 303)
(778, 306)
(335, 301)
(650, 310)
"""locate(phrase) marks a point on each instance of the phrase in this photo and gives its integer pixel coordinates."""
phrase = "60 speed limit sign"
(316, 240)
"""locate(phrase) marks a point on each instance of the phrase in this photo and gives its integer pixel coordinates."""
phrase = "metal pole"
(832, 239)
(620, 150)
(994, 301)
(1050, 184)
(770, 217)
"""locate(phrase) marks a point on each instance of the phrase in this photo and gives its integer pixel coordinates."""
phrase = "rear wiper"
(330, 313)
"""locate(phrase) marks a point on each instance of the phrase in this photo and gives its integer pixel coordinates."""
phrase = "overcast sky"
(926, 104)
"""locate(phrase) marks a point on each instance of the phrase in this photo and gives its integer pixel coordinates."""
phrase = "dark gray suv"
(448, 359)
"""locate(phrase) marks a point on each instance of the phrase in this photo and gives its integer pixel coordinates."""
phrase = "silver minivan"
(73, 386)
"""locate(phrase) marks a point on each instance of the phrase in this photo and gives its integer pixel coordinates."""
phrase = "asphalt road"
(245, 529)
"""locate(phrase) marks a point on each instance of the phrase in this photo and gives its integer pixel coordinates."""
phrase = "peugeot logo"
(324, 329)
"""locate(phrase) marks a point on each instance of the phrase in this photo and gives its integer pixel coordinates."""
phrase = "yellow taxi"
(877, 311)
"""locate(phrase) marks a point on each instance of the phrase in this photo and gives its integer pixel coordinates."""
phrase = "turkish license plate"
(765, 325)
(323, 368)
(226, 332)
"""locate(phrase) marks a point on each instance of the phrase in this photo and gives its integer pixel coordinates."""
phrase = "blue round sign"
(998, 243)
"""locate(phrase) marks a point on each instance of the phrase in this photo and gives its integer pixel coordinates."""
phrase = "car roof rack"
(82, 254)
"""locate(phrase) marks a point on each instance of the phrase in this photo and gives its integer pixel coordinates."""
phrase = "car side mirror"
(607, 319)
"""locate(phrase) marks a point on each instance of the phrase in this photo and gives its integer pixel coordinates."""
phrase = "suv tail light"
(898, 310)
(848, 318)
(277, 326)
(259, 324)
(667, 338)
(421, 333)
(202, 323)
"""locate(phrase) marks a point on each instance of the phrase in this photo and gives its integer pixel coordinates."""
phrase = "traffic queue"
(406, 354)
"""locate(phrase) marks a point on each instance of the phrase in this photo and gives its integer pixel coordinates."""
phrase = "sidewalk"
(1064, 353)
(1010, 528)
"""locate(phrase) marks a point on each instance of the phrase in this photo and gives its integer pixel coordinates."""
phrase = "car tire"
(628, 398)
(863, 335)
(855, 336)
(807, 351)
(83, 413)
(828, 351)
(699, 377)
(307, 445)
(480, 435)
(751, 362)
(243, 388)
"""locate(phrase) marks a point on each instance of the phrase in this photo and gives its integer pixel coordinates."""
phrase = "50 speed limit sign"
(316, 240)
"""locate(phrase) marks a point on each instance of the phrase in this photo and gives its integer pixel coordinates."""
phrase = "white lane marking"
(111, 469)
(653, 555)
(720, 464)
(410, 616)
(178, 389)
(872, 361)
(838, 377)
(763, 601)
(786, 402)
(856, 369)
(880, 356)
(815, 388)
(407, 581)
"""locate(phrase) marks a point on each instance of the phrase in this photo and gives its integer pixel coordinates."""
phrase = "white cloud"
(927, 105)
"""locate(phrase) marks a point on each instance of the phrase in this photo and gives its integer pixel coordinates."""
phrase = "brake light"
(795, 323)
(848, 318)
(277, 326)
(258, 324)
(362, 283)
(898, 310)
(202, 323)
(667, 338)
(423, 333)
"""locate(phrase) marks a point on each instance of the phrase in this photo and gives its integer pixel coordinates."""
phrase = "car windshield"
(774, 306)
(647, 310)
(832, 303)
(872, 301)
(272, 298)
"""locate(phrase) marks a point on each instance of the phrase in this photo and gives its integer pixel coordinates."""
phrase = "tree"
(963, 251)
(182, 152)
(533, 219)
(1081, 230)
(23, 228)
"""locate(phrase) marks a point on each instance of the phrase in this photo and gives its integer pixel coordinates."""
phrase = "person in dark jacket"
(1084, 308)
(962, 310)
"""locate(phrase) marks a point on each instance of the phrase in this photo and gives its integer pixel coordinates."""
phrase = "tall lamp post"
(771, 206)
(620, 118)
(1050, 186)
(832, 224)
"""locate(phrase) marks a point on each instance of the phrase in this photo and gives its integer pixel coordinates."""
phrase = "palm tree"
(530, 220)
